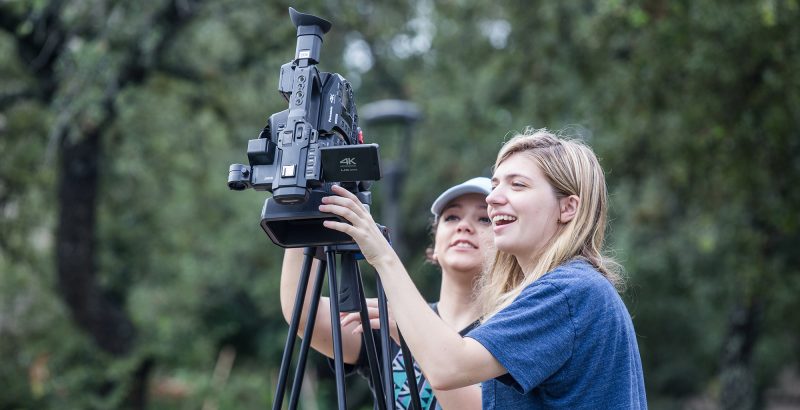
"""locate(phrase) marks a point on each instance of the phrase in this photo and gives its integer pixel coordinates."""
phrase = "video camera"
(305, 149)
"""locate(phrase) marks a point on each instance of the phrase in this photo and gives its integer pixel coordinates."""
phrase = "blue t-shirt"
(567, 342)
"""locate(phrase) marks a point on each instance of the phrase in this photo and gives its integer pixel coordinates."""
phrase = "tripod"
(349, 297)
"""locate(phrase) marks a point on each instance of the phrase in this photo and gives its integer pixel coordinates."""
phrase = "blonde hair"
(571, 168)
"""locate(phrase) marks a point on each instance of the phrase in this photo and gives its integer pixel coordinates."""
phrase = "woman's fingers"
(347, 206)
(374, 324)
(338, 190)
(333, 205)
(350, 318)
(355, 317)
(373, 302)
(361, 226)
(338, 226)
(372, 312)
(346, 200)
(346, 209)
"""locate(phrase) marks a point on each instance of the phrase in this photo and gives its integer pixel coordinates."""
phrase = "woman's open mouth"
(499, 220)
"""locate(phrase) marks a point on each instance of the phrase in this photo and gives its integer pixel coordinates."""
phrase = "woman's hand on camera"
(362, 227)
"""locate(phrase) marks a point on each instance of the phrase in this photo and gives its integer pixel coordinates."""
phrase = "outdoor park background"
(131, 277)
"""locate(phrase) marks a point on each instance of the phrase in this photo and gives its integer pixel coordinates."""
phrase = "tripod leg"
(386, 361)
(350, 267)
(336, 327)
(307, 334)
(297, 310)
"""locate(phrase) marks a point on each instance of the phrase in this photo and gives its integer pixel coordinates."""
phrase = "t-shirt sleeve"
(532, 337)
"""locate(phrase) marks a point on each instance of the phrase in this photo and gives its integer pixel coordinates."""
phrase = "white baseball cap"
(479, 185)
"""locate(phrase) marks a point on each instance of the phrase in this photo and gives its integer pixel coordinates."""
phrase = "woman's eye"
(449, 218)
(485, 220)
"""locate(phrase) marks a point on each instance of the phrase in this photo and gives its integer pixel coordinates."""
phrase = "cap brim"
(479, 185)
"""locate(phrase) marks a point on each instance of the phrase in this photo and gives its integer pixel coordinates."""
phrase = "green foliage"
(693, 107)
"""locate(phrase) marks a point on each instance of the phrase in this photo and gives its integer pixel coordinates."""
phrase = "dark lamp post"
(404, 114)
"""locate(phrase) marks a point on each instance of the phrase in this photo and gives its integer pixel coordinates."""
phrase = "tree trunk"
(737, 383)
(101, 316)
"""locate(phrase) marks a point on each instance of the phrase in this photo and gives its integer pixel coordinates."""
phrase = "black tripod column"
(336, 326)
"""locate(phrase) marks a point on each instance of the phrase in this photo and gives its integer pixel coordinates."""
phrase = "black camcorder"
(306, 148)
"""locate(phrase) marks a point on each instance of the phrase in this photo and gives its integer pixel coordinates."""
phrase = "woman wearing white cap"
(462, 244)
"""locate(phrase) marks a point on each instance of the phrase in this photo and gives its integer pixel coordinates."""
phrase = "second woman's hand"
(374, 319)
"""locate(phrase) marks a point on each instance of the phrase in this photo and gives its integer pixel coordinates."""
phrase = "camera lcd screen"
(345, 163)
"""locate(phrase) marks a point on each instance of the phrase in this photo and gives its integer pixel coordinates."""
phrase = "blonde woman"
(554, 332)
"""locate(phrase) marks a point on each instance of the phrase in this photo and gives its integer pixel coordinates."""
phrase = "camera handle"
(349, 298)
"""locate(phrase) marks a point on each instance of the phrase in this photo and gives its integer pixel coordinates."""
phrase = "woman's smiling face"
(523, 208)
(464, 235)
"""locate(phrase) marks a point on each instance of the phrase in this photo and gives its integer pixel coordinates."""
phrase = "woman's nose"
(495, 197)
(464, 226)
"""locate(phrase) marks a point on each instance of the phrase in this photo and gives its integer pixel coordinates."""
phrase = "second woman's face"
(523, 207)
(464, 235)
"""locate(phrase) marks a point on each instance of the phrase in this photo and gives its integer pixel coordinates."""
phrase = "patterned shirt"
(402, 392)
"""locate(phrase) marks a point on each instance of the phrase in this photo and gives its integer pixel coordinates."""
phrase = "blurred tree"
(131, 242)
(79, 65)
(704, 161)
(692, 107)
(137, 101)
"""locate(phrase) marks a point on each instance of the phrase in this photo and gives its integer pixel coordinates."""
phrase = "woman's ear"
(569, 208)
(430, 255)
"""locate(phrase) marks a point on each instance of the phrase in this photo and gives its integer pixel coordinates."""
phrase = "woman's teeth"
(503, 219)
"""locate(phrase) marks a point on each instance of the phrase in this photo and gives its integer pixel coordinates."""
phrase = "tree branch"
(10, 98)
(40, 47)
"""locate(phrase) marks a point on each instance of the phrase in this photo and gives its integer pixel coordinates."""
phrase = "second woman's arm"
(321, 339)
